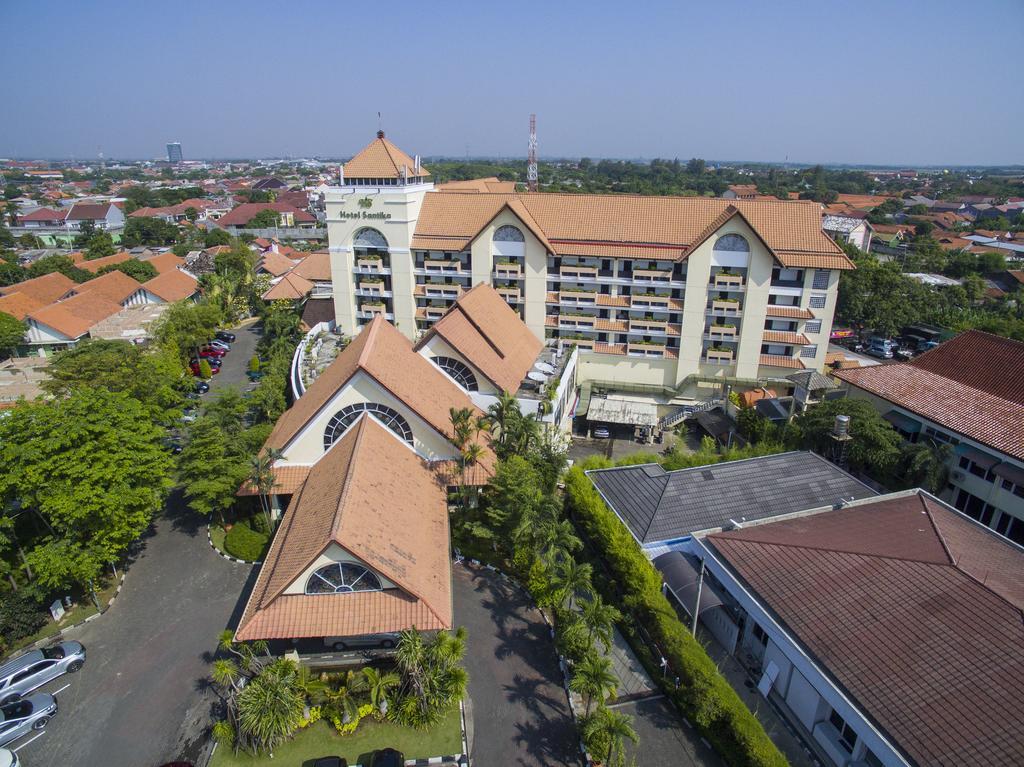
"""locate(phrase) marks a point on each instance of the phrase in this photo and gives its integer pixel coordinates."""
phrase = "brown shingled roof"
(970, 385)
(374, 497)
(73, 317)
(95, 264)
(172, 285)
(290, 287)
(381, 159)
(490, 335)
(45, 289)
(315, 266)
(913, 609)
(114, 286)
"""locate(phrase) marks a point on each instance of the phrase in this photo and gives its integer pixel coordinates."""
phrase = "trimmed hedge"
(704, 694)
(242, 542)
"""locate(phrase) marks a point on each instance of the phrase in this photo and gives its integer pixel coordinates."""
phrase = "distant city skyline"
(762, 82)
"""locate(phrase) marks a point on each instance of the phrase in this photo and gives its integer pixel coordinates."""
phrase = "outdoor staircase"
(686, 411)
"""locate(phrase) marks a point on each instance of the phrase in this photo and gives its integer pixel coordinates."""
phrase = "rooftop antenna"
(380, 127)
(531, 159)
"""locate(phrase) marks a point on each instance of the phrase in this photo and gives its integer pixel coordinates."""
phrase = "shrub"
(204, 369)
(704, 694)
(315, 715)
(21, 615)
(254, 364)
(245, 543)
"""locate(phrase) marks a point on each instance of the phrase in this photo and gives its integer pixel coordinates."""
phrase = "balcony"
(585, 321)
(577, 272)
(727, 281)
(646, 348)
(722, 332)
(652, 275)
(509, 270)
(371, 287)
(434, 312)
(442, 266)
(441, 291)
(781, 283)
(577, 296)
(373, 308)
(727, 306)
(647, 325)
(649, 301)
(585, 344)
(511, 295)
(719, 356)
(370, 263)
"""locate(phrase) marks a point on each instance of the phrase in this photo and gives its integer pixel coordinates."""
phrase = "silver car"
(25, 715)
(37, 667)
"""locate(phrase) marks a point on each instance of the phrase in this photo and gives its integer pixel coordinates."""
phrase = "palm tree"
(501, 415)
(600, 619)
(378, 684)
(555, 539)
(261, 476)
(593, 678)
(927, 465)
(431, 678)
(270, 707)
(617, 728)
(344, 699)
(570, 579)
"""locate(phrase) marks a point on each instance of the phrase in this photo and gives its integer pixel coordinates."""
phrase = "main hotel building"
(655, 292)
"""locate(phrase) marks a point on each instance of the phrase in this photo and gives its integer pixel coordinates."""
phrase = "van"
(880, 347)
(37, 667)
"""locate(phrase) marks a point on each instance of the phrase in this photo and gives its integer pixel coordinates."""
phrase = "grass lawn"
(81, 610)
(321, 739)
(217, 536)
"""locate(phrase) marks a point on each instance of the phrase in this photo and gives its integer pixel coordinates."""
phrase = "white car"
(25, 715)
(218, 344)
(8, 758)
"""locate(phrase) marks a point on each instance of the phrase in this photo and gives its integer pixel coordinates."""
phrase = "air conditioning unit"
(958, 476)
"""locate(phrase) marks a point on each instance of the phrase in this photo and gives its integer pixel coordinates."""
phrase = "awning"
(979, 457)
(903, 422)
(681, 572)
(625, 411)
(1008, 471)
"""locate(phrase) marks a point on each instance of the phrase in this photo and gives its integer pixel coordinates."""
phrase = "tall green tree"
(185, 327)
(92, 468)
(208, 470)
(874, 447)
(141, 271)
(926, 465)
(270, 706)
(432, 677)
(12, 333)
(594, 680)
(11, 274)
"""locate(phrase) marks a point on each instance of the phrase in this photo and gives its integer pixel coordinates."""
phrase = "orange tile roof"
(45, 289)
(490, 335)
(784, 337)
(287, 479)
(172, 286)
(73, 317)
(489, 184)
(780, 361)
(668, 225)
(18, 305)
(164, 262)
(95, 264)
(315, 266)
(375, 498)
(381, 159)
(290, 287)
(386, 355)
(793, 312)
(274, 263)
(113, 286)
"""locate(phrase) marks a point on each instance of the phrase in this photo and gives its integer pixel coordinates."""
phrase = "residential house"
(103, 216)
(288, 216)
(844, 224)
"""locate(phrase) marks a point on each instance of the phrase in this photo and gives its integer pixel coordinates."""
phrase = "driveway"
(236, 362)
(518, 709)
(140, 700)
(663, 741)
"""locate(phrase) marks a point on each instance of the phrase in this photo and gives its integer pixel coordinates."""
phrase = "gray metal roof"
(658, 506)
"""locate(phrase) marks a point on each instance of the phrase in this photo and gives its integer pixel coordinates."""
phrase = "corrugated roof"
(657, 505)
(970, 385)
(374, 497)
(913, 609)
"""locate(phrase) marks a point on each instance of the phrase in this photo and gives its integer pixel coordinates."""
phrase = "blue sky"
(895, 82)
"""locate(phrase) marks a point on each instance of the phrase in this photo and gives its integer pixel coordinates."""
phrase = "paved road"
(236, 362)
(519, 712)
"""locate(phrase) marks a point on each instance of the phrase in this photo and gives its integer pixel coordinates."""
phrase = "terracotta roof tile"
(45, 289)
(784, 337)
(73, 317)
(911, 608)
(165, 262)
(490, 335)
(290, 287)
(398, 528)
(381, 159)
(970, 385)
(113, 286)
(793, 312)
(781, 361)
(172, 286)
(18, 305)
(315, 266)
(274, 263)
(242, 214)
(95, 264)
(287, 479)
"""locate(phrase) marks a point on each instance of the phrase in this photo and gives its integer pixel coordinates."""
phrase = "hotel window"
(459, 371)
(1010, 487)
(347, 416)
(811, 350)
(342, 578)
(820, 279)
(847, 737)
(732, 243)
(813, 326)
(818, 301)
(941, 436)
(508, 233)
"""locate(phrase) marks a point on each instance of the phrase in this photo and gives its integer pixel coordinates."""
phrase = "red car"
(194, 367)
(209, 351)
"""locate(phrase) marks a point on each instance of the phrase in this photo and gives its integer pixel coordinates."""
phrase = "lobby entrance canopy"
(623, 411)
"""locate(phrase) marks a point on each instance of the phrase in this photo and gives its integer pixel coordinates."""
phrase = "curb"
(562, 664)
(459, 759)
(227, 556)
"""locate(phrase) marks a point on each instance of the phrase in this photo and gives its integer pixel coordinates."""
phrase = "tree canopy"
(12, 333)
(148, 231)
(141, 271)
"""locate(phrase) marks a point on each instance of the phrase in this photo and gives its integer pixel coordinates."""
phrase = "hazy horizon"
(845, 83)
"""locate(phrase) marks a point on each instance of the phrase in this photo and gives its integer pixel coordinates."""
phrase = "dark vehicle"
(223, 335)
(387, 757)
(331, 761)
(202, 387)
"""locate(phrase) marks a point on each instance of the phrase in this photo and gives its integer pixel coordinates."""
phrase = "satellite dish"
(533, 375)
(544, 367)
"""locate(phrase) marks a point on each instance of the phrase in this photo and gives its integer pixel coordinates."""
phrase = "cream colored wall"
(438, 347)
(403, 204)
(826, 316)
(535, 268)
(308, 446)
(333, 553)
(611, 368)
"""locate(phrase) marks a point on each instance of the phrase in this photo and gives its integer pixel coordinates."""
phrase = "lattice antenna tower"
(531, 159)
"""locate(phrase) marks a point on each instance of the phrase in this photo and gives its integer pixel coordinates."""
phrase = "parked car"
(189, 415)
(882, 348)
(202, 387)
(601, 432)
(194, 367)
(208, 351)
(8, 758)
(331, 761)
(218, 344)
(37, 667)
(387, 757)
(223, 335)
(369, 641)
(25, 715)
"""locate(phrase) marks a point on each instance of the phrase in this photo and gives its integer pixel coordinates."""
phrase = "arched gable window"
(370, 238)
(508, 233)
(733, 243)
(458, 370)
(347, 416)
(342, 578)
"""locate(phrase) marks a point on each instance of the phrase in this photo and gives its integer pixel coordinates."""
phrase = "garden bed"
(321, 739)
(83, 608)
(243, 541)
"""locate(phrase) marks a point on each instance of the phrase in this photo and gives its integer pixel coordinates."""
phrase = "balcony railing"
(652, 275)
(577, 271)
(727, 332)
(435, 312)
(508, 270)
(373, 308)
(640, 301)
(646, 348)
(647, 326)
(373, 263)
(726, 306)
(438, 266)
(719, 356)
(510, 294)
(780, 283)
(577, 296)
(376, 288)
(724, 281)
(576, 321)
(442, 291)
(582, 343)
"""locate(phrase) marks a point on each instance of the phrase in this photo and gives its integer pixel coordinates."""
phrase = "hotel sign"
(356, 214)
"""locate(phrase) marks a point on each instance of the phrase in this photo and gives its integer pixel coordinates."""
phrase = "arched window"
(370, 238)
(508, 233)
(458, 370)
(347, 416)
(342, 578)
(732, 243)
